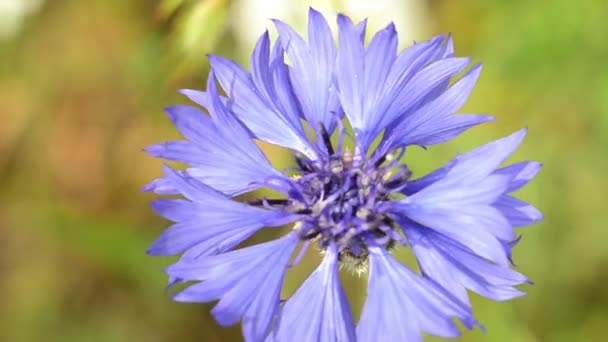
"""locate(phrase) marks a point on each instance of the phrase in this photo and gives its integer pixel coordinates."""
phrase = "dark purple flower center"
(339, 197)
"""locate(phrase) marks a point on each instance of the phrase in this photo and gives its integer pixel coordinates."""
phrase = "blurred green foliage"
(83, 85)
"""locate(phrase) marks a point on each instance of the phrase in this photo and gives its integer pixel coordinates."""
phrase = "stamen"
(268, 201)
(389, 231)
(383, 240)
(399, 181)
(395, 160)
(303, 162)
(336, 194)
(327, 140)
(294, 189)
(380, 160)
(304, 211)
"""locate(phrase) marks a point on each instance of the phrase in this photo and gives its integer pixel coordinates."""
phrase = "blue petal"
(220, 151)
(350, 74)
(456, 268)
(260, 66)
(447, 193)
(284, 96)
(447, 51)
(425, 81)
(181, 151)
(466, 199)
(416, 92)
(476, 160)
(185, 235)
(379, 58)
(519, 213)
(445, 129)
(271, 77)
(361, 29)
(420, 183)
(362, 75)
(312, 69)
(508, 247)
(174, 209)
(376, 87)
(463, 216)
(261, 115)
(202, 98)
(522, 172)
(448, 207)
(434, 122)
(323, 56)
(470, 168)
(211, 222)
(480, 228)
(401, 305)
(409, 62)
(247, 283)
(319, 310)
(484, 160)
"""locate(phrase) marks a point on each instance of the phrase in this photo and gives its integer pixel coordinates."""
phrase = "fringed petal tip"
(154, 251)
(149, 187)
(162, 185)
(182, 297)
(154, 150)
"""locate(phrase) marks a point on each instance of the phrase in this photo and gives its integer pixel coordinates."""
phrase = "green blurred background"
(82, 87)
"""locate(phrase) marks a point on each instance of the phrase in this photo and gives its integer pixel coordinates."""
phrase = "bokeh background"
(82, 90)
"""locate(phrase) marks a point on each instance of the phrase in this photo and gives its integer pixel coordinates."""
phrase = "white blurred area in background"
(12, 14)
(250, 18)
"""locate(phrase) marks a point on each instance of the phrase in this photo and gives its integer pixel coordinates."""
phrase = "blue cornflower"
(356, 206)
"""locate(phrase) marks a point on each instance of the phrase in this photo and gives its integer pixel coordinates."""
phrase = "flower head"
(356, 204)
